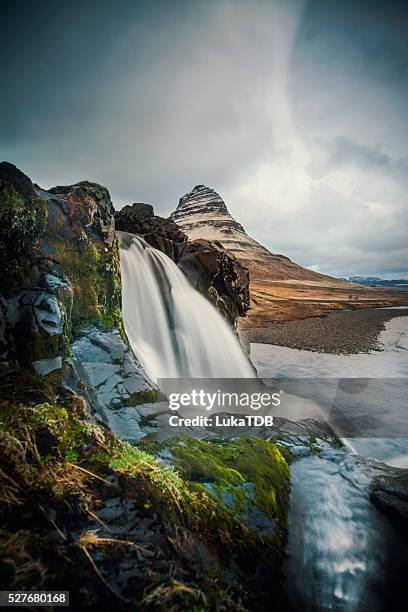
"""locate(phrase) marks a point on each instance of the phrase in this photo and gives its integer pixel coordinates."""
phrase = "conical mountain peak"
(203, 207)
(203, 214)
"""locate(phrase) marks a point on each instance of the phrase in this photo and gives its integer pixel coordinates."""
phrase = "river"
(342, 553)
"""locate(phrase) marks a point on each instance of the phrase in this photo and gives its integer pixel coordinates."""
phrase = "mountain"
(373, 281)
(280, 289)
(202, 213)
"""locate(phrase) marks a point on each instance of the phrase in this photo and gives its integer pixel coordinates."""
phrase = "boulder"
(160, 233)
(217, 275)
(23, 217)
(103, 367)
(79, 245)
(247, 475)
(389, 492)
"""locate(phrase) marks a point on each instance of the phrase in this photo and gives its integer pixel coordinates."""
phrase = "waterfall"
(173, 330)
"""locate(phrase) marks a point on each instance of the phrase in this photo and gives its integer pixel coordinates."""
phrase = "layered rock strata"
(202, 213)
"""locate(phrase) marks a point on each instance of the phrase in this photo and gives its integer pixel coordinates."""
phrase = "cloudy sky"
(294, 111)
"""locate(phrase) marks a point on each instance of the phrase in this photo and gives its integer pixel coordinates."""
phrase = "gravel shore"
(340, 332)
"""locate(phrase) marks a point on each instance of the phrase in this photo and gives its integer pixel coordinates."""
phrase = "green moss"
(190, 503)
(22, 222)
(23, 387)
(42, 346)
(286, 452)
(69, 434)
(135, 462)
(93, 271)
(242, 474)
(110, 319)
(147, 396)
(312, 442)
(57, 438)
(214, 556)
(81, 269)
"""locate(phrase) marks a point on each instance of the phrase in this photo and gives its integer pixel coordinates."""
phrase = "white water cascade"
(173, 330)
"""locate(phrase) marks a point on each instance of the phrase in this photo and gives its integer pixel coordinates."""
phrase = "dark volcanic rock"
(131, 214)
(22, 221)
(89, 208)
(160, 233)
(11, 176)
(389, 491)
(217, 275)
(23, 217)
(106, 370)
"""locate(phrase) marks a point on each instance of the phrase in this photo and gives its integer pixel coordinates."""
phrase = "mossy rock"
(93, 272)
(67, 236)
(248, 475)
(22, 222)
(77, 503)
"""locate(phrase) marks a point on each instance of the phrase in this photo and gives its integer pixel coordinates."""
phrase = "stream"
(342, 553)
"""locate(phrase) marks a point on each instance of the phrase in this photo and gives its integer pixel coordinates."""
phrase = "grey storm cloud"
(346, 151)
(294, 111)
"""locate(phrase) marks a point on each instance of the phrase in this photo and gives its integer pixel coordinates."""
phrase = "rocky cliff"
(211, 270)
(61, 291)
(160, 233)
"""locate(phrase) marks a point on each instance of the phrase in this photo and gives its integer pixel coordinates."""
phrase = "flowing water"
(342, 553)
(173, 330)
